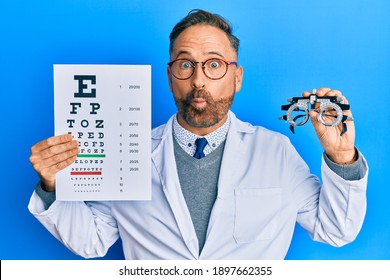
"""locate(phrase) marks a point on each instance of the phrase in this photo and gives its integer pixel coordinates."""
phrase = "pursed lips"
(199, 102)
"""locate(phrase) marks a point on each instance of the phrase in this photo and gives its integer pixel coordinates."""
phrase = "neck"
(201, 131)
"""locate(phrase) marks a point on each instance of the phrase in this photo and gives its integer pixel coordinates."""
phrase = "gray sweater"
(199, 183)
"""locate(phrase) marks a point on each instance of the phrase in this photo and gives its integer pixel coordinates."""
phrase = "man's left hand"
(340, 149)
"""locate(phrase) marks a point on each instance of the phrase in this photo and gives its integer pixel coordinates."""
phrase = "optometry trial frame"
(330, 111)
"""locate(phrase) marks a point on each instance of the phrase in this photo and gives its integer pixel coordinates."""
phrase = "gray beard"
(212, 114)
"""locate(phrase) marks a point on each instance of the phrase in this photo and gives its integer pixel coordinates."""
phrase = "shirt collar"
(186, 138)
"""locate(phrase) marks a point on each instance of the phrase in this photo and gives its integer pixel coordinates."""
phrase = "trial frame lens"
(298, 115)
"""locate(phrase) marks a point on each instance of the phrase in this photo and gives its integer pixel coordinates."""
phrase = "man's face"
(203, 103)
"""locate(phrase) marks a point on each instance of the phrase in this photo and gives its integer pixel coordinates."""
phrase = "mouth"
(199, 103)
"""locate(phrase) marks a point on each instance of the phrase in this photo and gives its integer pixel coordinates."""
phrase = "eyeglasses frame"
(194, 63)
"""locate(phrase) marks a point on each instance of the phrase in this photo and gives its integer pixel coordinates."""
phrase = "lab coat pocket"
(257, 213)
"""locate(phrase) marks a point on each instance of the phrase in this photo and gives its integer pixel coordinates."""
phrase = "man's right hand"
(52, 155)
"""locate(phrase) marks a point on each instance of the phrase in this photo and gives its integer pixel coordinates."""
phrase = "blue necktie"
(200, 144)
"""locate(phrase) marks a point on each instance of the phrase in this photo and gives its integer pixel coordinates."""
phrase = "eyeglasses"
(213, 68)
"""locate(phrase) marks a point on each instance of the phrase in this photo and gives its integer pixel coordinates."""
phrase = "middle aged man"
(222, 188)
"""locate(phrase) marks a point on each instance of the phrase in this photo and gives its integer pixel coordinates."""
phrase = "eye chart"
(107, 108)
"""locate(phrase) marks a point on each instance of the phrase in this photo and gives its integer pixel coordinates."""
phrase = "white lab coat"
(264, 188)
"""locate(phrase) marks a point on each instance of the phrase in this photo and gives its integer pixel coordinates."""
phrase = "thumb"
(313, 116)
(315, 122)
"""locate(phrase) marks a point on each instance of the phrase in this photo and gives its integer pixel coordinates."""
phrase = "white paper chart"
(107, 108)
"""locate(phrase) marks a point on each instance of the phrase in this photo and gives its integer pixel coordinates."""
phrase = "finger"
(55, 159)
(41, 164)
(313, 115)
(52, 146)
(322, 91)
(40, 161)
(58, 149)
(47, 175)
(52, 141)
(52, 169)
(345, 100)
(307, 93)
(328, 92)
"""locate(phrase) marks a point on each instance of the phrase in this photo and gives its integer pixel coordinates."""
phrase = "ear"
(169, 75)
(238, 77)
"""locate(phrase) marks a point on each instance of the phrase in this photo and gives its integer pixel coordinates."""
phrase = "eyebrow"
(188, 53)
(182, 52)
(217, 54)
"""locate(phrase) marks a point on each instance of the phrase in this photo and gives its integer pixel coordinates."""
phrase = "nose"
(198, 78)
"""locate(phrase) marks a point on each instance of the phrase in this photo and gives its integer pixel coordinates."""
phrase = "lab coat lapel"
(165, 163)
(235, 153)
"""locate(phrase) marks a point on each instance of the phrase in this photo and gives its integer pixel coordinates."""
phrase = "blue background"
(286, 47)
